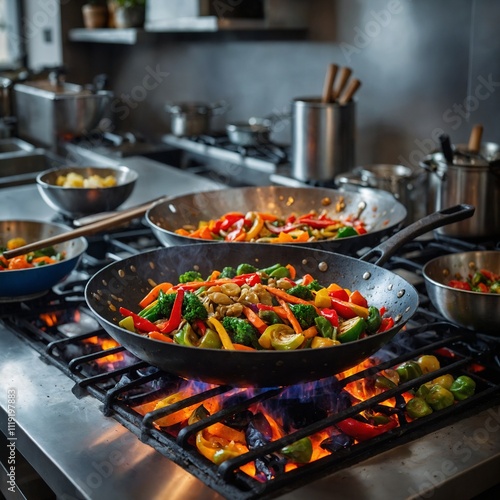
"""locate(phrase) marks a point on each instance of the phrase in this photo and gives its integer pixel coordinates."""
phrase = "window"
(11, 45)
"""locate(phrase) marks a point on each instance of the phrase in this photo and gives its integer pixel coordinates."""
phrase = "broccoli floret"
(190, 276)
(300, 291)
(241, 331)
(228, 272)
(314, 285)
(161, 309)
(193, 308)
(245, 269)
(305, 314)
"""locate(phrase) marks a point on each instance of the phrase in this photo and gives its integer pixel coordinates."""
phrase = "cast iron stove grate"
(59, 324)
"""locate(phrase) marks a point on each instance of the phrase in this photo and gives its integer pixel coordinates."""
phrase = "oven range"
(80, 408)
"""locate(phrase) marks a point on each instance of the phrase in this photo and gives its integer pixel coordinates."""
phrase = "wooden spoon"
(475, 139)
(101, 225)
(345, 74)
(352, 88)
(329, 80)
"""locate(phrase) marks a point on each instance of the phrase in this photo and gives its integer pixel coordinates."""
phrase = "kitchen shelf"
(132, 36)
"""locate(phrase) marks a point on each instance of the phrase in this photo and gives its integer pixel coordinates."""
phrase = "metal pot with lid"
(469, 173)
(406, 184)
(193, 118)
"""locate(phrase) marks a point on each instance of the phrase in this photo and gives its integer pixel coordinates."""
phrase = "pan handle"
(437, 219)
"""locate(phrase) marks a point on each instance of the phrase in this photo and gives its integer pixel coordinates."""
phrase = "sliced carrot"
(306, 279)
(182, 232)
(290, 317)
(310, 332)
(302, 237)
(215, 274)
(286, 296)
(44, 258)
(292, 271)
(19, 263)
(154, 292)
(267, 216)
(159, 336)
(241, 347)
(254, 319)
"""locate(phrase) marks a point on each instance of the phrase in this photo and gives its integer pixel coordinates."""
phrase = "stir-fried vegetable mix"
(484, 281)
(246, 308)
(38, 258)
(268, 228)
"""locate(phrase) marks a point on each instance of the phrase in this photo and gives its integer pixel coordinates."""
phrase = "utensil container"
(323, 138)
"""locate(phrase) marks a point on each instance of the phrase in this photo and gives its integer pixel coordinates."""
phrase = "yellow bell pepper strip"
(218, 448)
(153, 293)
(175, 315)
(127, 323)
(318, 342)
(223, 335)
(210, 340)
(256, 228)
(176, 417)
(322, 298)
(140, 324)
(254, 319)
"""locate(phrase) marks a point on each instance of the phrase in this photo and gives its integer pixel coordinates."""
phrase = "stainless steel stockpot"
(471, 180)
(192, 118)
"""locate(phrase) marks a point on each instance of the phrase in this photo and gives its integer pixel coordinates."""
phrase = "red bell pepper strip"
(201, 326)
(460, 285)
(230, 219)
(348, 310)
(362, 431)
(281, 229)
(386, 324)
(331, 315)
(319, 223)
(175, 315)
(340, 294)
(140, 323)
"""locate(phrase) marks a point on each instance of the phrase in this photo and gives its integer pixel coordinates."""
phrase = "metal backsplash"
(426, 67)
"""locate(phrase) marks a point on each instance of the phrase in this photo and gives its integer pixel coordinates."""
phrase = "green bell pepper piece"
(408, 371)
(210, 340)
(186, 336)
(325, 328)
(463, 387)
(439, 397)
(346, 231)
(299, 452)
(351, 329)
(374, 319)
(418, 408)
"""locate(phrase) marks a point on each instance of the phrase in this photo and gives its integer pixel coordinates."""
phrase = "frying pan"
(23, 284)
(473, 310)
(382, 214)
(125, 283)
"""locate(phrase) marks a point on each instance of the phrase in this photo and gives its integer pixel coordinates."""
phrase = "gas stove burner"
(22, 298)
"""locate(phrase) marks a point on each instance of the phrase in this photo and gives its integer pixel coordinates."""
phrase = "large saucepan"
(22, 284)
(125, 283)
(378, 209)
(473, 310)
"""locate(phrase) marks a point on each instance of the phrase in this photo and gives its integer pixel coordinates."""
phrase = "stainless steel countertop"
(155, 180)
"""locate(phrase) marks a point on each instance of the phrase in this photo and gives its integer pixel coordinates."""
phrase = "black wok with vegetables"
(246, 308)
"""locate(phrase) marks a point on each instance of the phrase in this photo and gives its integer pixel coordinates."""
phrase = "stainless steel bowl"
(473, 310)
(75, 201)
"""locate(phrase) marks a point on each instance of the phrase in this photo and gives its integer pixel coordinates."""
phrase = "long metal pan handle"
(388, 248)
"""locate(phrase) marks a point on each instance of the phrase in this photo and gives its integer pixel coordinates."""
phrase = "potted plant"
(95, 14)
(129, 13)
